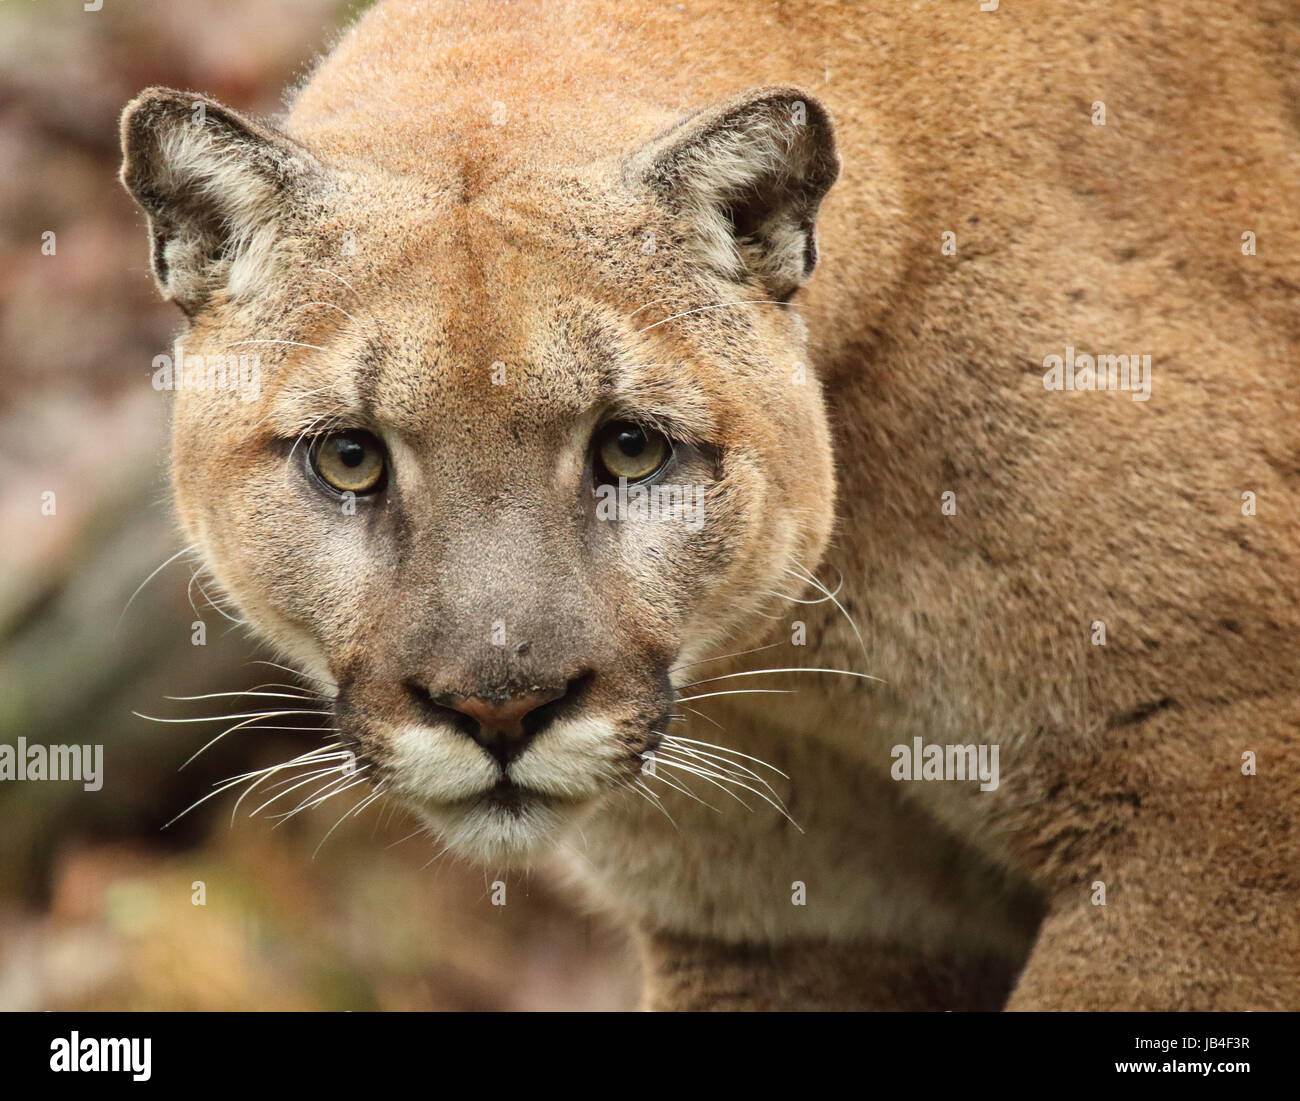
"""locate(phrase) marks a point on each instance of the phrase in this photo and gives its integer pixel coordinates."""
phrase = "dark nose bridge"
(502, 640)
(513, 585)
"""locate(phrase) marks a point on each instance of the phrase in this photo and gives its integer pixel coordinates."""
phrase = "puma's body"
(476, 154)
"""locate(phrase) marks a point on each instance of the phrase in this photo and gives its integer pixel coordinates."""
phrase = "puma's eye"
(627, 450)
(351, 462)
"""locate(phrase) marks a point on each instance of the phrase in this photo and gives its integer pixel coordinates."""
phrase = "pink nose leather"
(501, 728)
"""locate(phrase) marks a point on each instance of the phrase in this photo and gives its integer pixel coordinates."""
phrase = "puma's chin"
(509, 814)
(503, 826)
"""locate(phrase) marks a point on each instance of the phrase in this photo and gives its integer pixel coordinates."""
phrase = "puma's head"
(504, 446)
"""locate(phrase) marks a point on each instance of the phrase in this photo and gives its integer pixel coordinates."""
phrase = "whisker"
(204, 593)
(402, 840)
(247, 692)
(656, 775)
(302, 729)
(793, 599)
(325, 271)
(307, 433)
(302, 781)
(774, 804)
(739, 692)
(715, 761)
(308, 759)
(155, 573)
(226, 785)
(311, 695)
(189, 595)
(721, 657)
(327, 305)
(360, 806)
(299, 397)
(717, 306)
(436, 856)
(313, 758)
(706, 777)
(818, 585)
(219, 718)
(702, 715)
(290, 669)
(653, 799)
(653, 302)
(792, 669)
(321, 795)
(728, 749)
(239, 726)
(293, 343)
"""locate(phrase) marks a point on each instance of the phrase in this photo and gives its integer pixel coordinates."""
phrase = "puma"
(527, 281)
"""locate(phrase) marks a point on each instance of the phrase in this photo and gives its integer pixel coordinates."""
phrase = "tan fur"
(500, 169)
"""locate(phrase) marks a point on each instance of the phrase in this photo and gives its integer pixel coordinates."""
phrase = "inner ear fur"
(746, 177)
(215, 186)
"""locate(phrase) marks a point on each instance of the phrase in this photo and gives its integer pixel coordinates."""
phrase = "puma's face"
(502, 470)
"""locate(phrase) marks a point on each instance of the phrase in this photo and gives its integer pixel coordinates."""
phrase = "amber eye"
(350, 462)
(627, 450)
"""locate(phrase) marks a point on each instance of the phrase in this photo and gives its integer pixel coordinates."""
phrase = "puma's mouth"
(505, 825)
(513, 798)
(501, 807)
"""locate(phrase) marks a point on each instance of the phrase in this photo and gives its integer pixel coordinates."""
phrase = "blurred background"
(97, 899)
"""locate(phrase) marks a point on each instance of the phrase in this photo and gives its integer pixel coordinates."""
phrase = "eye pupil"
(631, 441)
(351, 453)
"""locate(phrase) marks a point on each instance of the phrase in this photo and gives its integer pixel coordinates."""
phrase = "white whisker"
(218, 718)
(290, 669)
(739, 692)
(818, 585)
(721, 657)
(791, 669)
(248, 692)
(727, 749)
(707, 777)
(715, 761)
(327, 305)
(316, 757)
(717, 306)
(325, 271)
(155, 573)
(361, 805)
(292, 343)
(775, 804)
(321, 795)
(656, 775)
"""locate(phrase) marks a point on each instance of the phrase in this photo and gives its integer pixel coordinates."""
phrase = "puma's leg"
(1193, 839)
(685, 973)
(1202, 938)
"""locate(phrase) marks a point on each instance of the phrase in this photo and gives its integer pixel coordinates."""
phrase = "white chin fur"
(572, 760)
(493, 835)
(435, 765)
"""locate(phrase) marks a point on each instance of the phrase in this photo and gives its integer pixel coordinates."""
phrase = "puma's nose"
(504, 727)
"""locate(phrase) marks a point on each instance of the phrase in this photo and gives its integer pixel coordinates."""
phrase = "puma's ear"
(214, 185)
(747, 177)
